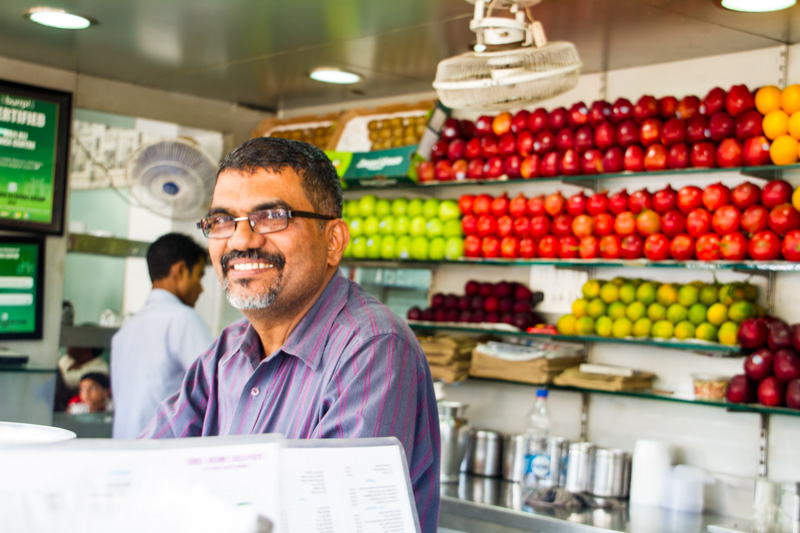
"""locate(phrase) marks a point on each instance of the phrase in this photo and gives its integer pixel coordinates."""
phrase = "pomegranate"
(482, 204)
(790, 247)
(656, 247)
(783, 219)
(536, 205)
(589, 248)
(527, 248)
(505, 226)
(509, 247)
(715, 196)
(640, 200)
(733, 247)
(522, 227)
(568, 247)
(625, 223)
(555, 204)
(597, 203)
(582, 226)
(745, 194)
(548, 247)
(490, 247)
(499, 206)
(707, 247)
(576, 205)
(618, 202)
(540, 226)
(562, 225)
(465, 204)
(487, 225)
(665, 200)
(698, 222)
(682, 247)
(725, 220)
(754, 219)
(631, 247)
(673, 223)
(689, 198)
(469, 224)
(775, 193)
(648, 222)
(610, 246)
(603, 224)
(472, 246)
(764, 246)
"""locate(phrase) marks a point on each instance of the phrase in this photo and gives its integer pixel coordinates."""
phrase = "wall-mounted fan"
(173, 178)
(513, 65)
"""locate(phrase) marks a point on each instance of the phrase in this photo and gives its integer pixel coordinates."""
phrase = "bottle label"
(537, 466)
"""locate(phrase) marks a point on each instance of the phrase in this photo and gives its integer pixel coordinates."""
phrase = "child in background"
(94, 395)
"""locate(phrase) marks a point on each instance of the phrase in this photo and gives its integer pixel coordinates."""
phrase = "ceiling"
(258, 52)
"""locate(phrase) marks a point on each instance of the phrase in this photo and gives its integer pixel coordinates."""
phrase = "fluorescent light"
(57, 18)
(334, 75)
(757, 6)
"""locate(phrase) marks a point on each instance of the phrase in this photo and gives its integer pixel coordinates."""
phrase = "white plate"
(16, 433)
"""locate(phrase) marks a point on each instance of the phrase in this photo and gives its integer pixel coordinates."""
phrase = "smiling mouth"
(242, 267)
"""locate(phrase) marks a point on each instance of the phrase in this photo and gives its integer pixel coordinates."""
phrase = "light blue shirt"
(149, 357)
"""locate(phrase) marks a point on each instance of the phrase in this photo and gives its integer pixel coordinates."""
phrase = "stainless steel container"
(453, 428)
(484, 455)
(580, 464)
(608, 479)
(558, 448)
(514, 456)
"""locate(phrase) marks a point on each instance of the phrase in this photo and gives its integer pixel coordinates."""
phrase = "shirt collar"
(162, 295)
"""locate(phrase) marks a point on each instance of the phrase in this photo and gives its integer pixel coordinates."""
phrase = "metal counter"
(490, 505)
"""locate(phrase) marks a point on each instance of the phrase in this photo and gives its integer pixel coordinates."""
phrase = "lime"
(621, 328)
(667, 294)
(741, 310)
(609, 292)
(727, 333)
(731, 292)
(359, 247)
(596, 308)
(627, 293)
(584, 326)
(566, 325)
(383, 207)
(677, 313)
(750, 292)
(579, 307)
(684, 330)
(635, 311)
(591, 289)
(646, 292)
(717, 314)
(619, 281)
(663, 329)
(414, 208)
(642, 327)
(356, 227)
(366, 205)
(374, 247)
(688, 295)
(697, 313)
(616, 310)
(709, 295)
(603, 326)
(656, 311)
(351, 209)
(706, 332)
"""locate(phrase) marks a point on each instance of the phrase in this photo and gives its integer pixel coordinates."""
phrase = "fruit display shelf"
(766, 172)
(702, 347)
(744, 266)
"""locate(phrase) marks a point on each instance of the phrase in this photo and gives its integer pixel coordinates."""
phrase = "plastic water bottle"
(537, 454)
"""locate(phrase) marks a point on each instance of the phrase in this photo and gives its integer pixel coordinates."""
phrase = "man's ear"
(178, 270)
(338, 239)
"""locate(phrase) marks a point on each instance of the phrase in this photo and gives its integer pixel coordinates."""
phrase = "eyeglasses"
(264, 221)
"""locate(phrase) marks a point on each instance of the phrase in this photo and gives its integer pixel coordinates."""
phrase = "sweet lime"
(584, 326)
(591, 289)
(688, 295)
(667, 294)
(663, 329)
(622, 327)
(635, 311)
(656, 311)
(619, 281)
(709, 295)
(616, 310)
(609, 292)
(717, 314)
(741, 310)
(646, 292)
(603, 326)
(684, 330)
(627, 293)
(596, 308)
(579, 307)
(677, 313)
(566, 325)
(642, 327)
(727, 333)
(706, 332)
(731, 292)
(750, 292)
(697, 313)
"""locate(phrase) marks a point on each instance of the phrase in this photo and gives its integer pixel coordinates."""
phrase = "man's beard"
(246, 302)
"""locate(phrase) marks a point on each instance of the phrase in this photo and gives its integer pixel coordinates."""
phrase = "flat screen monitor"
(34, 153)
(21, 287)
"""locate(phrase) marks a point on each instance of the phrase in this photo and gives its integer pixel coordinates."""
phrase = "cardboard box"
(314, 129)
(535, 371)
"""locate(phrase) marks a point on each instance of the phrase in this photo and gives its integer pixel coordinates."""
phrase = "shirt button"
(254, 391)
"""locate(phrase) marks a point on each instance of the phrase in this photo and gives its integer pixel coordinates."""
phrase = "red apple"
(687, 107)
(714, 101)
(656, 157)
(499, 206)
(482, 204)
(755, 151)
(426, 171)
(487, 225)
(507, 144)
(439, 150)
(456, 149)
(783, 219)
(592, 161)
(627, 133)
(739, 100)
(467, 129)
(578, 115)
(584, 138)
(664, 200)
(673, 222)
(646, 107)
(483, 125)
(689, 198)
(451, 129)
(512, 165)
(599, 112)
(673, 131)
(775, 193)
(634, 158)
(729, 153)
(771, 392)
(493, 168)
(502, 124)
(557, 119)
(678, 156)
(726, 219)
(704, 155)
(786, 365)
(790, 248)
(733, 246)
(650, 131)
(648, 222)
(605, 135)
(707, 247)
(720, 126)
(529, 168)
(622, 109)
(764, 246)
(490, 147)
(740, 390)
(667, 106)
(746, 194)
(443, 171)
(473, 149)
(752, 334)
(475, 169)
(748, 124)
(793, 394)
(525, 143)
(519, 122)
(465, 202)
(697, 129)
(682, 247)
(754, 219)
(569, 163)
(460, 168)
(656, 247)
(537, 120)
(565, 139)
(613, 160)
(545, 142)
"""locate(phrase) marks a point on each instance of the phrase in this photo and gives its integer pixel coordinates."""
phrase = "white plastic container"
(651, 463)
(685, 487)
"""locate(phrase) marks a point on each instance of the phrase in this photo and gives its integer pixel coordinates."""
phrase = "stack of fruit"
(723, 129)
(715, 223)
(781, 124)
(641, 308)
(484, 302)
(396, 131)
(403, 229)
(772, 372)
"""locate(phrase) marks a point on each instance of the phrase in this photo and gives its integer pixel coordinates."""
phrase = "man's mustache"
(253, 255)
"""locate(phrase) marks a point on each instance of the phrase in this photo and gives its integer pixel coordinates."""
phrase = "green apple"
(436, 248)
(348, 252)
(433, 228)
(366, 205)
(430, 209)
(356, 227)
(449, 210)
(371, 226)
(454, 248)
(417, 227)
(374, 247)
(386, 225)
(383, 207)
(388, 243)
(400, 207)
(402, 247)
(359, 246)
(351, 209)
(419, 248)
(402, 225)
(451, 228)
(415, 208)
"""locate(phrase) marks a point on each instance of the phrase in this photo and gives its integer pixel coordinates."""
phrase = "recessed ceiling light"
(58, 18)
(757, 6)
(334, 75)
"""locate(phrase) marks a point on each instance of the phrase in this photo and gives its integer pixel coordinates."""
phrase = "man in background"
(152, 351)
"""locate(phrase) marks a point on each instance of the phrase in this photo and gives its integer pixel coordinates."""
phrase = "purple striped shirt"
(351, 368)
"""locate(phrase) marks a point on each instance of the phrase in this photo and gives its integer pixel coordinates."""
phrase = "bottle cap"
(541, 393)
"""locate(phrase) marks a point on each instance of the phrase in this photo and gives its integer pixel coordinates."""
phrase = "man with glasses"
(315, 356)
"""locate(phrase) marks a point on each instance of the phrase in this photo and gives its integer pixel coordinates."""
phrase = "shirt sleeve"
(384, 389)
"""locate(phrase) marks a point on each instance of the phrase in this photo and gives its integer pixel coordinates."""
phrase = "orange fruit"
(768, 98)
(796, 198)
(783, 150)
(790, 99)
(775, 124)
(794, 125)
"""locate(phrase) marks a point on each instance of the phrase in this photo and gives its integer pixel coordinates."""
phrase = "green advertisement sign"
(18, 284)
(28, 129)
